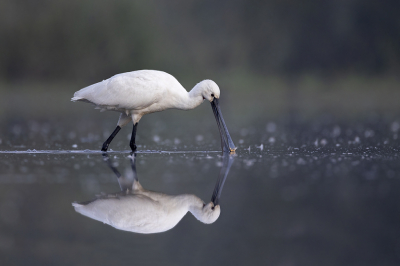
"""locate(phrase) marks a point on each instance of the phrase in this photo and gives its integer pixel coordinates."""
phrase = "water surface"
(303, 189)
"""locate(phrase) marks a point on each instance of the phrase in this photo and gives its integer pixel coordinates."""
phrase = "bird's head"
(208, 213)
(209, 90)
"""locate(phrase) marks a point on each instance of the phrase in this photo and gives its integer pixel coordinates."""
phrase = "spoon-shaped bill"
(226, 140)
(227, 161)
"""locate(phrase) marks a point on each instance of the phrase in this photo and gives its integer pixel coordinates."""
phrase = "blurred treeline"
(80, 40)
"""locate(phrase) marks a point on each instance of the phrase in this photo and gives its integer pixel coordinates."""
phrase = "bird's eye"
(204, 205)
(212, 208)
(212, 94)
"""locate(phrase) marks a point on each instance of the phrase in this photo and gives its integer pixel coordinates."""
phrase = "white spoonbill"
(141, 92)
(138, 210)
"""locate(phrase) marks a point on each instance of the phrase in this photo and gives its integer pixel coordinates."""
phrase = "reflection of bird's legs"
(110, 164)
(132, 142)
(110, 138)
(133, 165)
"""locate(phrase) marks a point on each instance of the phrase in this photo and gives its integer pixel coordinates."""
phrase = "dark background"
(91, 40)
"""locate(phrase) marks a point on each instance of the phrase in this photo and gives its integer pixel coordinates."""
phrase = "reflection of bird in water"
(139, 210)
(137, 93)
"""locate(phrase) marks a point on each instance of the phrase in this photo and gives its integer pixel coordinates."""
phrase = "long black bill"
(227, 161)
(226, 140)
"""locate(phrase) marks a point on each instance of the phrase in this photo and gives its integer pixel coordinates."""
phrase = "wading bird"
(138, 210)
(141, 92)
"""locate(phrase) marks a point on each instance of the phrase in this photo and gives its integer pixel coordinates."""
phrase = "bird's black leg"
(132, 142)
(110, 138)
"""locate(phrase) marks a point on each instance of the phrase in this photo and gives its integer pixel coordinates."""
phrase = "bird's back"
(134, 90)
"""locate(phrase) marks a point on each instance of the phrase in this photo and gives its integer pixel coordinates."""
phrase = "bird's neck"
(191, 99)
(195, 206)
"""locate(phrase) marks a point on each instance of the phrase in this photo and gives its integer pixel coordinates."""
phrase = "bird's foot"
(105, 147)
(133, 147)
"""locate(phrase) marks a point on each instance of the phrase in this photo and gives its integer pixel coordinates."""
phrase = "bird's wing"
(132, 90)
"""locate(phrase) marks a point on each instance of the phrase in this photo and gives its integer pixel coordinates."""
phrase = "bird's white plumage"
(146, 212)
(145, 91)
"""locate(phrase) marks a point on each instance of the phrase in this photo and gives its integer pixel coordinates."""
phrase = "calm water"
(319, 190)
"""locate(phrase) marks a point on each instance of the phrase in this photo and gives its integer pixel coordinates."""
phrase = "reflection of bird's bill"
(226, 140)
(227, 161)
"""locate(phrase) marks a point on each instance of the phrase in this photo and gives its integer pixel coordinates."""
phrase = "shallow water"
(302, 190)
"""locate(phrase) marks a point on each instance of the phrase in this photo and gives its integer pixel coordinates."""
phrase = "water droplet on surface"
(156, 138)
(395, 126)
(336, 132)
(369, 133)
(323, 142)
(301, 161)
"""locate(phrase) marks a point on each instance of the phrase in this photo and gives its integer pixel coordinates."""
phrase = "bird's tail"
(76, 204)
(75, 99)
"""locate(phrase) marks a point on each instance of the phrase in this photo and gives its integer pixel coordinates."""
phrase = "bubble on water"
(323, 142)
(77, 166)
(219, 163)
(241, 141)
(301, 161)
(271, 140)
(369, 133)
(199, 138)
(249, 163)
(271, 127)
(316, 143)
(261, 147)
(336, 131)
(177, 141)
(156, 138)
(395, 126)
(357, 139)
(337, 145)
(74, 146)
